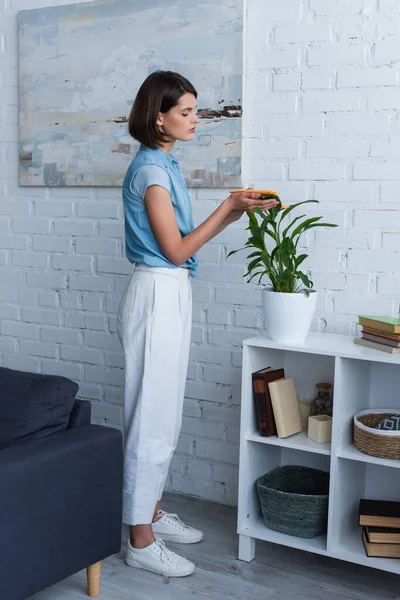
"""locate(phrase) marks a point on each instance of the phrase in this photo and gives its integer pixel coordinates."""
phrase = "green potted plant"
(289, 302)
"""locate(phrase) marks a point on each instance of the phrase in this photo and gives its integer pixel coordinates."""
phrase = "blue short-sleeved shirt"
(154, 167)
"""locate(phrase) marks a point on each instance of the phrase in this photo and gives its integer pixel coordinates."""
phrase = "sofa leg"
(93, 579)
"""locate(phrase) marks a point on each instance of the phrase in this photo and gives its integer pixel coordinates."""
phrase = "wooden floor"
(278, 573)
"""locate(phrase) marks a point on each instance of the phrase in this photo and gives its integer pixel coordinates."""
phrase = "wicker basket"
(376, 442)
(294, 500)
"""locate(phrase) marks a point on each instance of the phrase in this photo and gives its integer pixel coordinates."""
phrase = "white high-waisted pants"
(154, 325)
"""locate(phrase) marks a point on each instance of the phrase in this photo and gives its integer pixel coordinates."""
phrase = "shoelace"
(164, 553)
(173, 519)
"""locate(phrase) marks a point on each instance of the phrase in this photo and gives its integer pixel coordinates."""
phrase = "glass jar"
(323, 401)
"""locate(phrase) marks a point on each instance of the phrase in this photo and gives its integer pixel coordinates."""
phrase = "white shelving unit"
(362, 378)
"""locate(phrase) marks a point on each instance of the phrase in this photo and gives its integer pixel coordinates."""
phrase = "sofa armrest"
(60, 507)
(80, 414)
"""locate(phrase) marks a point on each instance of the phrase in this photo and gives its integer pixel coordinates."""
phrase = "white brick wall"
(321, 120)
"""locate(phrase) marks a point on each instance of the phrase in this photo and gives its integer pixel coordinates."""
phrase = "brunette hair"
(160, 92)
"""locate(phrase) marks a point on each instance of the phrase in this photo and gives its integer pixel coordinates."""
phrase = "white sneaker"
(170, 528)
(158, 559)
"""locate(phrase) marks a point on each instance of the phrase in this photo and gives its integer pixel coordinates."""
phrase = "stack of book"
(380, 333)
(380, 521)
(276, 405)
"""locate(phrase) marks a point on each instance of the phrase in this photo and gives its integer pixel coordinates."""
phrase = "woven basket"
(294, 500)
(376, 442)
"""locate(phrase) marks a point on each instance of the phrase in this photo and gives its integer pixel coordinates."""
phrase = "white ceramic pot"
(288, 317)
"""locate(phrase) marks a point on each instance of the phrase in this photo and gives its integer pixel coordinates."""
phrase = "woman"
(154, 320)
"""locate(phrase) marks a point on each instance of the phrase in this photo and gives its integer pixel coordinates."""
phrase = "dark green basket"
(294, 500)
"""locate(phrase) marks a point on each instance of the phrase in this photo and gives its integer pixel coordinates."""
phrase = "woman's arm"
(234, 216)
(178, 249)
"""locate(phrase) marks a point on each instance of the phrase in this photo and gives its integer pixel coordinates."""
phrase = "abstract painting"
(80, 67)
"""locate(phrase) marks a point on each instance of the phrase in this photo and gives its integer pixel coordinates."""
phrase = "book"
(376, 345)
(285, 407)
(379, 513)
(389, 324)
(380, 550)
(383, 334)
(262, 399)
(381, 340)
(383, 535)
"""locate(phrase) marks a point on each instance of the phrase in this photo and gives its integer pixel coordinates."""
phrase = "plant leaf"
(325, 225)
(252, 220)
(293, 206)
(304, 226)
(232, 252)
(291, 225)
(304, 279)
(254, 263)
(262, 273)
(300, 259)
(254, 254)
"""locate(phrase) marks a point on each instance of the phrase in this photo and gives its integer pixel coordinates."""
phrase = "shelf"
(351, 549)
(258, 530)
(362, 378)
(327, 344)
(300, 441)
(352, 453)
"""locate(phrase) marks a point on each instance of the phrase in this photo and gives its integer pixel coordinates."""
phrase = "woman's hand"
(234, 216)
(240, 202)
(248, 201)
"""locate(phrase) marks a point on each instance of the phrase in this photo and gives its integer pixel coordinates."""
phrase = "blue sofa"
(60, 485)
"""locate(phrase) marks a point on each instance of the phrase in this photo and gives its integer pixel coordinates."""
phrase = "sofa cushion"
(33, 405)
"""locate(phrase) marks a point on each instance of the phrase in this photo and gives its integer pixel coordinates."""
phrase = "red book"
(383, 334)
(381, 340)
(262, 399)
